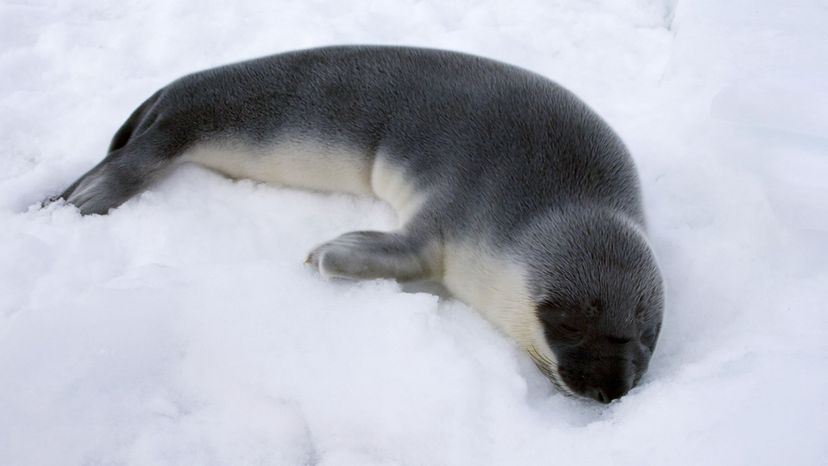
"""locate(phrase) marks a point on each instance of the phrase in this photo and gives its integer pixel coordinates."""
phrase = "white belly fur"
(391, 185)
(495, 286)
(305, 165)
(312, 165)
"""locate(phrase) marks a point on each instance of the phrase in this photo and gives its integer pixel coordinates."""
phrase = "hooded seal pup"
(509, 190)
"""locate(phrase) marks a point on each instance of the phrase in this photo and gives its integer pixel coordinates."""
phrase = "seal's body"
(510, 190)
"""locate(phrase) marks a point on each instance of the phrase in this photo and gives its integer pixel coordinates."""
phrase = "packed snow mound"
(183, 328)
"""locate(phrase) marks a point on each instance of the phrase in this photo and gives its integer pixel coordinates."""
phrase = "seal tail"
(138, 153)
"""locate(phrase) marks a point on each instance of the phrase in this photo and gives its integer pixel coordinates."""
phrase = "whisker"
(550, 370)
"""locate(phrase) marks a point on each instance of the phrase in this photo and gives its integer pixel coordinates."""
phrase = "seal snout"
(603, 380)
(609, 390)
(610, 379)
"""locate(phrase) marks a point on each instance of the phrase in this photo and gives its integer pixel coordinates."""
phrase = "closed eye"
(619, 340)
(569, 328)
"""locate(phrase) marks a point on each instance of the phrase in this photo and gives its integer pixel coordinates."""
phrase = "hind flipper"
(135, 157)
(367, 255)
(140, 120)
(124, 173)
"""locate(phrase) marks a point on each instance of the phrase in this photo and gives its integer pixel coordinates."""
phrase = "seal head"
(600, 304)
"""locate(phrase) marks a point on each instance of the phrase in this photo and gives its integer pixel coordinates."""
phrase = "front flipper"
(367, 255)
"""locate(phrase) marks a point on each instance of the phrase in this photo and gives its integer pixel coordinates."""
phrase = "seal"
(510, 191)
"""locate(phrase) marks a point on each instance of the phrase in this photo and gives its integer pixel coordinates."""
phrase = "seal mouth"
(549, 368)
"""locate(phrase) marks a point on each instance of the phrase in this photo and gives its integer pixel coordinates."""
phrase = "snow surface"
(184, 329)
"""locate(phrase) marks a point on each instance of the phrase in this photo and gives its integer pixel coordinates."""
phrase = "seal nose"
(598, 394)
(608, 391)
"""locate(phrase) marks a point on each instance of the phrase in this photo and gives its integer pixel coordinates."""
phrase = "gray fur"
(505, 155)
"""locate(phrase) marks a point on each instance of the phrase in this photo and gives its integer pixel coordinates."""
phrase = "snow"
(184, 329)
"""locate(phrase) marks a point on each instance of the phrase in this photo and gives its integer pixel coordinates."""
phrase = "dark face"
(599, 299)
(601, 347)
